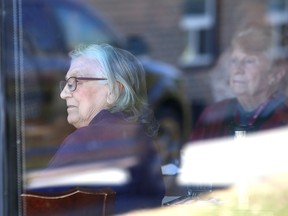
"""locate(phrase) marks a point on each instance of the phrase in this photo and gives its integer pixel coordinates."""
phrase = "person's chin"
(239, 88)
(71, 120)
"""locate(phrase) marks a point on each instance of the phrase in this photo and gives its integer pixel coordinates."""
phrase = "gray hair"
(255, 40)
(120, 66)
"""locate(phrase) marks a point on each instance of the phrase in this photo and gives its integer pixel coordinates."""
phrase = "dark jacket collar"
(106, 114)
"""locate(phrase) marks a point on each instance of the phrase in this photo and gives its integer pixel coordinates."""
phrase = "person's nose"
(240, 67)
(65, 93)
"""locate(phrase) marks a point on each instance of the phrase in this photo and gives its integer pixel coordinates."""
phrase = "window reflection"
(71, 18)
(198, 22)
(52, 28)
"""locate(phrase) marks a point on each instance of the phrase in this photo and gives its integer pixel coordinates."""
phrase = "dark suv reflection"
(51, 28)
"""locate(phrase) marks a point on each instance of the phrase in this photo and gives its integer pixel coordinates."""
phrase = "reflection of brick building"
(156, 21)
(159, 23)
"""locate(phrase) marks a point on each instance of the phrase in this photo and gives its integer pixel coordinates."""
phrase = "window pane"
(277, 5)
(195, 7)
(201, 88)
(73, 22)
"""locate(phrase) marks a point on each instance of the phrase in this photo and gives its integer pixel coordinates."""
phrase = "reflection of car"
(53, 27)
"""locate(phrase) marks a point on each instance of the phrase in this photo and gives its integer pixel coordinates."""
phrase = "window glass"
(45, 62)
(44, 41)
(194, 7)
(216, 82)
(277, 16)
(277, 5)
(74, 22)
(198, 23)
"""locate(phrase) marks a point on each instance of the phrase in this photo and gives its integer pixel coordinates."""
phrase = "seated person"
(105, 93)
(254, 77)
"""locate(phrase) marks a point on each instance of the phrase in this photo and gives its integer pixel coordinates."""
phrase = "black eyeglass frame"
(63, 83)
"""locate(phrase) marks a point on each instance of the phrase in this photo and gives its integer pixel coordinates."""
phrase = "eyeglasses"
(72, 82)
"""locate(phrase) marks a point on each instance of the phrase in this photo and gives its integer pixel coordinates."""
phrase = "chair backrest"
(83, 202)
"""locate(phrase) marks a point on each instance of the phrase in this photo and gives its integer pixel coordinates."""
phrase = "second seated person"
(106, 98)
(255, 77)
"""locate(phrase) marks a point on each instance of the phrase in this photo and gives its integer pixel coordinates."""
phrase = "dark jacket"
(223, 118)
(111, 138)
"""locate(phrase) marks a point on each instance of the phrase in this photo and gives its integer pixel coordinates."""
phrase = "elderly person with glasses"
(255, 77)
(105, 93)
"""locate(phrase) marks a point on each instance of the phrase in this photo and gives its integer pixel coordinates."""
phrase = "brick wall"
(157, 21)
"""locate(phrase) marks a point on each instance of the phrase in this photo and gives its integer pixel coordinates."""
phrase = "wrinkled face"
(249, 74)
(89, 98)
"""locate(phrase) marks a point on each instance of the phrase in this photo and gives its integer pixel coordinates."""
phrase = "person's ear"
(114, 95)
(120, 87)
(110, 97)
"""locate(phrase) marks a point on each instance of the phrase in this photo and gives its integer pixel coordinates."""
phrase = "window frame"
(2, 122)
(10, 126)
(193, 25)
(278, 18)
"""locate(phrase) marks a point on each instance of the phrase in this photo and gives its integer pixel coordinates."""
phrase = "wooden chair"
(83, 202)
